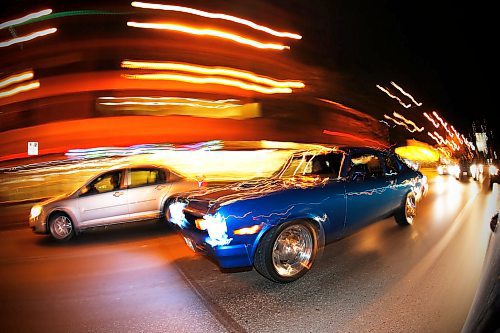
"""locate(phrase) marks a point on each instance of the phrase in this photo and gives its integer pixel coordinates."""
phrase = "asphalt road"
(143, 278)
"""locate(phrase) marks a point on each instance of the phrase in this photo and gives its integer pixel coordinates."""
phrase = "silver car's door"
(147, 186)
(104, 200)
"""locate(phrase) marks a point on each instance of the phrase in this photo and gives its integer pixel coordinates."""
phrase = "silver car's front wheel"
(61, 227)
(287, 252)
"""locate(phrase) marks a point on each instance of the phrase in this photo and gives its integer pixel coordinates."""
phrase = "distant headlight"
(36, 211)
(493, 170)
(473, 169)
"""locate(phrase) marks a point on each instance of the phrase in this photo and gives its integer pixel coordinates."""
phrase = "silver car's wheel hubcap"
(61, 227)
(410, 208)
(293, 250)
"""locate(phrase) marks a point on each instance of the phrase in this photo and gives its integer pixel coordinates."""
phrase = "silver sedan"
(115, 196)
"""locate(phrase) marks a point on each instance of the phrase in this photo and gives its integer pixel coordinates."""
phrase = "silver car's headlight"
(35, 211)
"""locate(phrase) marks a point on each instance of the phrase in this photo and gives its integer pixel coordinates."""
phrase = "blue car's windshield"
(327, 165)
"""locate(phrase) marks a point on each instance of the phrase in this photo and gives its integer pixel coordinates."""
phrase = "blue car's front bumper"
(227, 256)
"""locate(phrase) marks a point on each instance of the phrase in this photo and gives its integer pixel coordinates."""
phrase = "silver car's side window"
(145, 177)
(105, 183)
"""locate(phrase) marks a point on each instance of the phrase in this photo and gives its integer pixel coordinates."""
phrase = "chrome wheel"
(410, 208)
(293, 250)
(61, 227)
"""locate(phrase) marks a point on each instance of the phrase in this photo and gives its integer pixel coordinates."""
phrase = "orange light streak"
(216, 16)
(16, 90)
(406, 94)
(206, 70)
(208, 80)
(27, 75)
(354, 137)
(393, 96)
(25, 18)
(208, 32)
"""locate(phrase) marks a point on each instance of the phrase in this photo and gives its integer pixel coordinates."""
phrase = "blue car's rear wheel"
(287, 252)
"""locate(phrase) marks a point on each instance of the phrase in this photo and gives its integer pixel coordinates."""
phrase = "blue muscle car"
(279, 224)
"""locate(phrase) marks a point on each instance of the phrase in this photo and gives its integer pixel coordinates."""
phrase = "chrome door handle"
(117, 194)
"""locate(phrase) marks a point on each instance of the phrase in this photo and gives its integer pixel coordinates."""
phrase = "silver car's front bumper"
(38, 224)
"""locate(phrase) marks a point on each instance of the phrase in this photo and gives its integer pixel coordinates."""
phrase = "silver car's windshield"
(326, 165)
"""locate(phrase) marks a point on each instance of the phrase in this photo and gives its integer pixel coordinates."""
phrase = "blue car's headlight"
(216, 227)
(176, 211)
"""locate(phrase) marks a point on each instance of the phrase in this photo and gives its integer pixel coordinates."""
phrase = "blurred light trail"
(26, 38)
(216, 16)
(16, 78)
(181, 101)
(435, 123)
(406, 94)
(409, 122)
(395, 97)
(418, 153)
(25, 18)
(397, 122)
(99, 152)
(206, 70)
(457, 134)
(354, 137)
(208, 32)
(18, 89)
(386, 123)
(208, 80)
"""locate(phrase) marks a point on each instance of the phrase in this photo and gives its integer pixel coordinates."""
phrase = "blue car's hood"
(217, 196)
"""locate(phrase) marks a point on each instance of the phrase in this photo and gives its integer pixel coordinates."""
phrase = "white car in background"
(116, 196)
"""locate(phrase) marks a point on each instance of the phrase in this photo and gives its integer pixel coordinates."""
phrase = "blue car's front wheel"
(287, 252)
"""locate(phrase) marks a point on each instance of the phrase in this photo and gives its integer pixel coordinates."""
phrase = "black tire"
(61, 228)
(405, 214)
(264, 262)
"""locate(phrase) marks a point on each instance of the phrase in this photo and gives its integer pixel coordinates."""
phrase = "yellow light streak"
(208, 80)
(406, 94)
(25, 18)
(435, 123)
(173, 101)
(26, 38)
(16, 90)
(216, 16)
(206, 70)
(409, 122)
(27, 75)
(208, 32)
(393, 96)
(412, 130)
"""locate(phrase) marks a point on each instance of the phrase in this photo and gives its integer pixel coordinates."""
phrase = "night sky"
(439, 51)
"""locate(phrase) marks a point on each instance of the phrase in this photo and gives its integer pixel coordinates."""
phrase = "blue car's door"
(369, 192)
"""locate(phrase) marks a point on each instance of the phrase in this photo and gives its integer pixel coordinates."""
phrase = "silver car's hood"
(56, 198)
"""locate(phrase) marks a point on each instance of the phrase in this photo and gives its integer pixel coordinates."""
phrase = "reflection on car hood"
(216, 196)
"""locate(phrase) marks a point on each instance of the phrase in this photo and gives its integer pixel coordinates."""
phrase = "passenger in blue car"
(278, 225)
